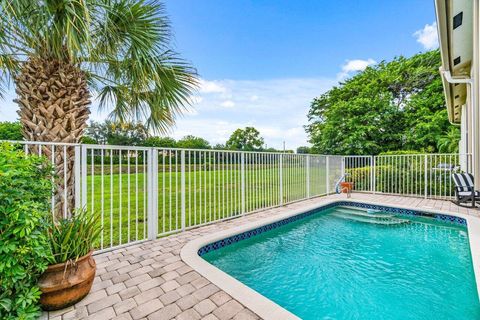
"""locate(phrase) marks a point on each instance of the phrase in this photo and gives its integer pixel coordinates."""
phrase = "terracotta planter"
(64, 284)
(346, 187)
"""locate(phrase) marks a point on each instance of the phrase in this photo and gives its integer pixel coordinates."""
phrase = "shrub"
(403, 177)
(399, 152)
(10, 131)
(25, 184)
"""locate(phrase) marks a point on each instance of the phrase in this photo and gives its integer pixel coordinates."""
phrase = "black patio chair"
(464, 189)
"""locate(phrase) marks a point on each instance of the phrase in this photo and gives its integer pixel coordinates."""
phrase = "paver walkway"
(150, 281)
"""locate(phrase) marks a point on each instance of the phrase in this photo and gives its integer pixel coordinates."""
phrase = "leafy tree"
(397, 152)
(160, 142)
(10, 131)
(88, 140)
(192, 142)
(96, 131)
(391, 106)
(129, 134)
(116, 133)
(247, 139)
(304, 150)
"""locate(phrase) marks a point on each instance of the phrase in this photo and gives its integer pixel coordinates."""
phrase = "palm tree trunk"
(54, 104)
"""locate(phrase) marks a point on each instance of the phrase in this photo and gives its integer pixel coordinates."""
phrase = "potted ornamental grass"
(71, 271)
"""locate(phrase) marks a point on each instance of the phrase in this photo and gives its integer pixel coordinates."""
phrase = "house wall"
(464, 144)
(474, 95)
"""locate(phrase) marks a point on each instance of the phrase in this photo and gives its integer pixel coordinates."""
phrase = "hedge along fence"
(389, 179)
(413, 175)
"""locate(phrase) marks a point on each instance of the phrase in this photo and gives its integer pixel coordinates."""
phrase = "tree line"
(137, 134)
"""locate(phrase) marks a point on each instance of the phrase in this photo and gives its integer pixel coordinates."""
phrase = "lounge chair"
(464, 189)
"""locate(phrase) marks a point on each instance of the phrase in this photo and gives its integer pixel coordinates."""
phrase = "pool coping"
(266, 308)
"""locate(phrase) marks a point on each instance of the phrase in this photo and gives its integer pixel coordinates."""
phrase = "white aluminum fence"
(416, 175)
(359, 171)
(116, 183)
(141, 193)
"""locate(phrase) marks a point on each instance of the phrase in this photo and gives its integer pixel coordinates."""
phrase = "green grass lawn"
(210, 195)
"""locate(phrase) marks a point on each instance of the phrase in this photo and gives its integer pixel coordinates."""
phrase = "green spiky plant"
(72, 238)
(60, 53)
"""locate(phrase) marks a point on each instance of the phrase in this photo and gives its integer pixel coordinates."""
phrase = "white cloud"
(428, 36)
(228, 104)
(279, 115)
(276, 107)
(190, 111)
(195, 99)
(211, 86)
(355, 65)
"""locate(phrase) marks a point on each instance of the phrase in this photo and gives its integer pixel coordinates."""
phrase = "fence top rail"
(422, 155)
(114, 147)
(244, 151)
(41, 143)
(141, 148)
(222, 150)
(122, 147)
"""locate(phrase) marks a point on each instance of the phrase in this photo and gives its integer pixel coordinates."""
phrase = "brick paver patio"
(150, 281)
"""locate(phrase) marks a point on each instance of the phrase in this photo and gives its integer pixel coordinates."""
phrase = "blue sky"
(262, 61)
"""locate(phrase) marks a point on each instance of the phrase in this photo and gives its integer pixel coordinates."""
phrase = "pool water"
(345, 263)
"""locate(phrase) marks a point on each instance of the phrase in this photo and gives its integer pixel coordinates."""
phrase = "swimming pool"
(356, 261)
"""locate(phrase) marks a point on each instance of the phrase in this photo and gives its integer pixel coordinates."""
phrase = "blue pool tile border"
(250, 233)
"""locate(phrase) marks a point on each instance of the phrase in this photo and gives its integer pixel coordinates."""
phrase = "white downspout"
(469, 82)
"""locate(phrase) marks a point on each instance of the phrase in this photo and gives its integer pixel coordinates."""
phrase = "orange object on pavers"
(346, 187)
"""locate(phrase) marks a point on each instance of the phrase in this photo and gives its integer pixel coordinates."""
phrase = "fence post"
(242, 173)
(84, 175)
(327, 169)
(425, 178)
(374, 176)
(152, 192)
(182, 178)
(307, 161)
(280, 170)
(78, 176)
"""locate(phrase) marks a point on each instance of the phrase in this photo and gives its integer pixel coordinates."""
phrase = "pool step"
(363, 213)
(377, 220)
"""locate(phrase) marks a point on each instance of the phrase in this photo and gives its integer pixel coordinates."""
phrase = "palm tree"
(449, 141)
(60, 53)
